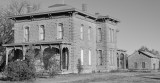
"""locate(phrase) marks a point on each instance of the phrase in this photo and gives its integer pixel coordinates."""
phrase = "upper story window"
(89, 33)
(99, 34)
(59, 31)
(81, 31)
(26, 33)
(41, 32)
(111, 35)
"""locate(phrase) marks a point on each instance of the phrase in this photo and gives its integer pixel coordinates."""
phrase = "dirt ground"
(118, 77)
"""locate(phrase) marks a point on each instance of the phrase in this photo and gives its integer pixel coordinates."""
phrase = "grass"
(116, 77)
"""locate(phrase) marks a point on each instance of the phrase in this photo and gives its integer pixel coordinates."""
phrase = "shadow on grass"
(156, 78)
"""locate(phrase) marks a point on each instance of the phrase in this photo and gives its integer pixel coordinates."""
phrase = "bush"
(79, 66)
(20, 70)
(54, 67)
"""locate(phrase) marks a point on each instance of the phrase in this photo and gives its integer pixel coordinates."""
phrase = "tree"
(143, 48)
(16, 7)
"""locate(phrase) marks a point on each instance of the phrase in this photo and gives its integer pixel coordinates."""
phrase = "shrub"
(54, 67)
(20, 70)
(79, 66)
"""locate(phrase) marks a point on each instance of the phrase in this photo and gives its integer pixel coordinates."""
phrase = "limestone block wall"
(84, 43)
(139, 58)
(50, 30)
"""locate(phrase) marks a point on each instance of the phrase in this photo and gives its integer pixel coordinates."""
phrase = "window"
(143, 64)
(89, 33)
(135, 65)
(26, 34)
(99, 35)
(81, 31)
(89, 57)
(109, 35)
(41, 32)
(59, 31)
(112, 35)
(99, 53)
(81, 56)
(111, 56)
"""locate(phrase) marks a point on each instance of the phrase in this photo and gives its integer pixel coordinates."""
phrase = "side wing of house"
(139, 61)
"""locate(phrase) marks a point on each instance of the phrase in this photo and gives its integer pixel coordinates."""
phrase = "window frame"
(135, 65)
(89, 33)
(60, 32)
(100, 57)
(99, 34)
(81, 32)
(82, 56)
(43, 30)
(24, 35)
(143, 65)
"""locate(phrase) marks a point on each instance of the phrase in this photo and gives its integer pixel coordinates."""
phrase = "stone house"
(71, 34)
(143, 60)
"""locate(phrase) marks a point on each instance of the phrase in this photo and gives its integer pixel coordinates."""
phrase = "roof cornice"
(94, 17)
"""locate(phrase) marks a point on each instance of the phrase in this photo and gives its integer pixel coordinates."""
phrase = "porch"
(61, 51)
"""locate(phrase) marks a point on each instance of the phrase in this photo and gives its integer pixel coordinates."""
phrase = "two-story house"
(71, 33)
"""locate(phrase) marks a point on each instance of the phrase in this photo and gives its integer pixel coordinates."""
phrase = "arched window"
(81, 31)
(26, 34)
(89, 33)
(59, 31)
(99, 34)
(41, 32)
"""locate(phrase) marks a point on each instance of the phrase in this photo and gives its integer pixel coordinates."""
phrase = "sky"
(140, 19)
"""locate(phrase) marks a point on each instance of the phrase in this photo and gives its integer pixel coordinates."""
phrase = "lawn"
(118, 77)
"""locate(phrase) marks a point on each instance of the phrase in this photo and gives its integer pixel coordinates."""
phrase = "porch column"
(119, 60)
(41, 51)
(60, 49)
(7, 52)
(24, 52)
(124, 62)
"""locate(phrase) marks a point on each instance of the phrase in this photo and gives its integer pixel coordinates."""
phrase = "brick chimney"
(97, 14)
(84, 7)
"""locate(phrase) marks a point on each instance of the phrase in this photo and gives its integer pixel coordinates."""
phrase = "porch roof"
(36, 43)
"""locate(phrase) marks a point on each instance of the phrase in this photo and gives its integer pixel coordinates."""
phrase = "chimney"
(97, 14)
(84, 7)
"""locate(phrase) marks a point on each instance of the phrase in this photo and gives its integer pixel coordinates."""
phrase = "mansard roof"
(61, 8)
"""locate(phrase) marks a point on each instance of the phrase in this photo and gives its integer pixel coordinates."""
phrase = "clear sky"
(140, 19)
